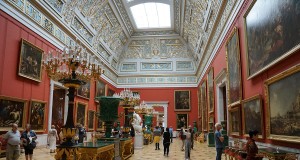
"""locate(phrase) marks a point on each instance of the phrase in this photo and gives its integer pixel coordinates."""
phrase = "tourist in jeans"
(166, 141)
(219, 141)
(13, 143)
(188, 144)
(171, 133)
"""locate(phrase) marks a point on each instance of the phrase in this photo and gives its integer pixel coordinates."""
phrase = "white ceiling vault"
(175, 55)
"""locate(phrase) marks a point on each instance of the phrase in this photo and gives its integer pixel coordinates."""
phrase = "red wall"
(255, 85)
(167, 94)
(12, 85)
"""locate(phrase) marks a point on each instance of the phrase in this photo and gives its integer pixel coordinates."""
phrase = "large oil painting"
(91, 120)
(12, 110)
(252, 115)
(110, 92)
(84, 90)
(30, 63)
(182, 120)
(37, 115)
(100, 88)
(233, 69)
(283, 105)
(204, 106)
(210, 90)
(182, 100)
(81, 114)
(272, 33)
(235, 121)
(99, 124)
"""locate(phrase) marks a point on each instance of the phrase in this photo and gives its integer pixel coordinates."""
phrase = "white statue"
(136, 123)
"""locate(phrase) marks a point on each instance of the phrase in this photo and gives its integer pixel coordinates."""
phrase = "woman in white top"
(52, 136)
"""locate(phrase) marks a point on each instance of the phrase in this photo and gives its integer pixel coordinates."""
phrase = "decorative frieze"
(162, 66)
(157, 80)
(184, 66)
(128, 67)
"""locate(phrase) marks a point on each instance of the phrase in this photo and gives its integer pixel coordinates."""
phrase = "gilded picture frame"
(12, 110)
(270, 34)
(101, 88)
(37, 118)
(210, 90)
(234, 76)
(204, 106)
(182, 120)
(81, 113)
(99, 122)
(235, 121)
(30, 62)
(283, 105)
(199, 102)
(91, 120)
(84, 91)
(110, 92)
(182, 100)
(252, 112)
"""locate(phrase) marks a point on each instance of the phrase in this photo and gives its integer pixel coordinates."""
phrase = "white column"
(166, 115)
(50, 104)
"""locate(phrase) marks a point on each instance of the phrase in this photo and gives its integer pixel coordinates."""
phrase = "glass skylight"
(151, 15)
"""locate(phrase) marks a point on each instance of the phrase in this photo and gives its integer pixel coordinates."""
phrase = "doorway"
(221, 88)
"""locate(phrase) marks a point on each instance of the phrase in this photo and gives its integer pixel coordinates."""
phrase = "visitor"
(171, 133)
(52, 137)
(219, 141)
(28, 138)
(251, 147)
(188, 144)
(192, 136)
(182, 137)
(166, 141)
(13, 143)
(156, 134)
(81, 133)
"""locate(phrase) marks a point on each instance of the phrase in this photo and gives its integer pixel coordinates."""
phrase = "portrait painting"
(182, 100)
(37, 115)
(110, 92)
(91, 120)
(252, 115)
(235, 121)
(210, 90)
(233, 69)
(199, 102)
(12, 110)
(204, 106)
(84, 91)
(271, 28)
(283, 105)
(100, 88)
(30, 63)
(81, 114)
(182, 120)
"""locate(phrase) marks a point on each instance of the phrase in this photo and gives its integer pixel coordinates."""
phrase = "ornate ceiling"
(130, 56)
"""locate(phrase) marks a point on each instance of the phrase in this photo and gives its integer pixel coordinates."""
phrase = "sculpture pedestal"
(211, 139)
(138, 141)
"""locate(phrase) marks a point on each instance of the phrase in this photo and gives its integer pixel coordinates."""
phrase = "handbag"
(31, 145)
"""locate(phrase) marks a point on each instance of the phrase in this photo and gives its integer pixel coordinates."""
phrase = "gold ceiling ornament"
(73, 63)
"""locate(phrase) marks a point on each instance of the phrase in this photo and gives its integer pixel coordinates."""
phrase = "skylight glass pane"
(151, 15)
(163, 10)
(139, 15)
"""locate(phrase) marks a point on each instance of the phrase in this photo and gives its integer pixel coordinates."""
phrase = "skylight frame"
(137, 2)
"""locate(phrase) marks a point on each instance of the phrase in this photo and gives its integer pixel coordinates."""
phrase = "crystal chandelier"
(129, 98)
(143, 108)
(73, 63)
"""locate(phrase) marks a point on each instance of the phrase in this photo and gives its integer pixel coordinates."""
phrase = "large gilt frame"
(30, 114)
(235, 31)
(25, 110)
(93, 113)
(210, 89)
(189, 100)
(259, 98)
(238, 110)
(270, 81)
(85, 112)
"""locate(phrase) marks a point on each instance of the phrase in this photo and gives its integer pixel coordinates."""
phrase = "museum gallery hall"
(149, 79)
